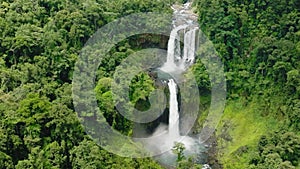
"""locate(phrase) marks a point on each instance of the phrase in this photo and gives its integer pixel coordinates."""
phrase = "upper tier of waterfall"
(184, 24)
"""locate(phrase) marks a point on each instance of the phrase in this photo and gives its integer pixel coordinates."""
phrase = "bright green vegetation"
(239, 132)
(40, 40)
(259, 43)
(182, 161)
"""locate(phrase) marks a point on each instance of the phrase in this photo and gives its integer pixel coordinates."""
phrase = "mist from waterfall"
(177, 62)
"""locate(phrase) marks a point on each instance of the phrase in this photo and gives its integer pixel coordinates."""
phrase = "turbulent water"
(173, 128)
(184, 23)
(177, 62)
(161, 141)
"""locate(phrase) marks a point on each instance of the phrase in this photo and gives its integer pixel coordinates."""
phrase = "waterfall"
(174, 45)
(189, 46)
(175, 62)
(173, 112)
(174, 51)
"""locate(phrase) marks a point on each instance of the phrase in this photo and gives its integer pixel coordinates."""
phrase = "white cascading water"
(177, 62)
(174, 51)
(189, 46)
(173, 129)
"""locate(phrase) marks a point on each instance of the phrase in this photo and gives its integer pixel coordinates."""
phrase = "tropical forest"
(149, 84)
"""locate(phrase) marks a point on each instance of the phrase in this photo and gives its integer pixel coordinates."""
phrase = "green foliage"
(5, 161)
(258, 42)
(88, 155)
(141, 86)
(278, 150)
(188, 164)
(184, 162)
(178, 149)
(40, 42)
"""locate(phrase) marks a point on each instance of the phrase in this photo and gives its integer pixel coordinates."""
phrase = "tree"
(5, 161)
(178, 149)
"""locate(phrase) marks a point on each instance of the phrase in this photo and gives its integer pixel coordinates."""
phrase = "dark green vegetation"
(259, 43)
(39, 45)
